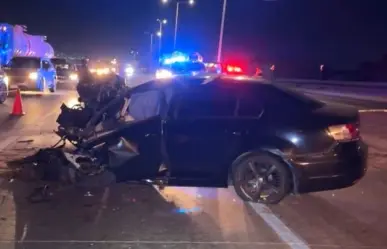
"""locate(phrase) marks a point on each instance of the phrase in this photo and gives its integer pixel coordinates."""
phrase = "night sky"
(341, 33)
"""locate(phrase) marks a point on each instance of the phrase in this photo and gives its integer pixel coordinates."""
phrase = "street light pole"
(160, 33)
(151, 34)
(151, 44)
(219, 57)
(178, 2)
(160, 37)
(176, 23)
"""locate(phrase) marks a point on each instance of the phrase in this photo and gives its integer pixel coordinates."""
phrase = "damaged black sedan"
(266, 141)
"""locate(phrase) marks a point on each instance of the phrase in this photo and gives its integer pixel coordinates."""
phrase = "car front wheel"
(261, 177)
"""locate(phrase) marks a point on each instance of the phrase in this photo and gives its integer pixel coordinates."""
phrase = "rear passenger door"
(198, 141)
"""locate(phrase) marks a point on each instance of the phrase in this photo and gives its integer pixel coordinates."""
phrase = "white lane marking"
(284, 232)
(6, 142)
(103, 202)
(373, 110)
(169, 242)
(25, 231)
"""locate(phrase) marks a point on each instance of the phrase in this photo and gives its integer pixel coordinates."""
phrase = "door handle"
(237, 133)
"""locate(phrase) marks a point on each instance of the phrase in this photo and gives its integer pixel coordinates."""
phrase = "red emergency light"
(232, 69)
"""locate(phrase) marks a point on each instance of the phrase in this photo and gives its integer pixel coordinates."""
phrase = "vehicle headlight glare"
(33, 75)
(163, 74)
(129, 71)
(6, 80)
(73, 77)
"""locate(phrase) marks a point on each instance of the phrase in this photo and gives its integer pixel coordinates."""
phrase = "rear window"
(206, 104)
(296, 99)
(58, 61)
(62, 64)
(21, 62)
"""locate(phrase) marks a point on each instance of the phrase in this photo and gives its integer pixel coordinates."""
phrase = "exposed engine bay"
(113, 132)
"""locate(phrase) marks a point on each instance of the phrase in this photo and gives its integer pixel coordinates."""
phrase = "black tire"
(3, 93)
(280, 179)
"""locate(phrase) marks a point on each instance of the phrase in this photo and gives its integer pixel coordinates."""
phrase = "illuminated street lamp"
(178, 2)
(160, 32)
(220, 46)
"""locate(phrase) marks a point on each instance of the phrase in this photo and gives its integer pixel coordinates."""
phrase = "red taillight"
(346, 132)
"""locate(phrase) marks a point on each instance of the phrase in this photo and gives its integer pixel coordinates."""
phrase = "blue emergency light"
(174, 58)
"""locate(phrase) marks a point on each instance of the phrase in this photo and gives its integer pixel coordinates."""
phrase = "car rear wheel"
(3, 93)
(262, 178)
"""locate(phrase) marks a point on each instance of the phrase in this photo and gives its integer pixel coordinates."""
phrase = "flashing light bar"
(174, 59)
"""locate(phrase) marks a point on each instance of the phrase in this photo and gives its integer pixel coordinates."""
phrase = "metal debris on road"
(26, 141)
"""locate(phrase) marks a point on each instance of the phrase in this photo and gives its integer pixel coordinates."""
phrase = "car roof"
(29, 57)
(200, 82)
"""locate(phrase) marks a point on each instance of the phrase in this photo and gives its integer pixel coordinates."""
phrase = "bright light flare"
(6, 80)
(163, 74)
(129, 71)
(72, 102)
(159, 34)
(191, 2)
(164, 1)
(164, 21)
(73, 77)
(103, 71)
(33, 75)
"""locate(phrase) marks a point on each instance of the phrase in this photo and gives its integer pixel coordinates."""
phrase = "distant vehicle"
(212, 67)
(15, 42)
(195, 131)
(66, 71)
(102, 68)
(180, 65)
(3, 86)
(32, 73)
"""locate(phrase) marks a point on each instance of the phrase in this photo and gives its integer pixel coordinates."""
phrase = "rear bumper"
(69, 82)
(342, 167)
(19, 81)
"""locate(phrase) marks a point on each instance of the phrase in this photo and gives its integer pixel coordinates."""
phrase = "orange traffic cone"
(17, 109)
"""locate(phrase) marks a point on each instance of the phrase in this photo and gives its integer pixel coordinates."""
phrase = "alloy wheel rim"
(260, 181)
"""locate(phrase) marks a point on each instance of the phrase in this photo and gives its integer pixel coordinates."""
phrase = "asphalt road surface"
(134, 216)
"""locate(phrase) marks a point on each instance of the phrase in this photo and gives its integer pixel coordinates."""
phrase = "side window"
(203, 104)
(146, 105)
(250, 107)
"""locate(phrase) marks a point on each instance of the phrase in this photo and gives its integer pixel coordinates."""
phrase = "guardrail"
(348, 84)
(369, 91)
